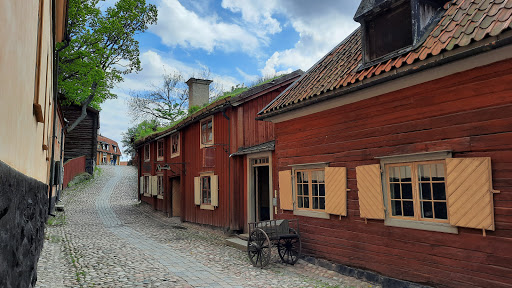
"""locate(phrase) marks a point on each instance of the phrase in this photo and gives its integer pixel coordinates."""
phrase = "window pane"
(439, 191)
(440, 210)
(425, 191)
(394, 190)
(408, 208)
(396, 207)
(322, 203)
(209, 125)
(306, 190)
(426, 209)
(423, 172)
(314, 176)
(405, 173)
(394, 174)
(299, 189)
(407, 191)
(437, 172)
(320, 176)
(299, 177)
(299, 199)
(315, 190)
(315, 202)
(322, 190)
(305, 177)
(306, 202)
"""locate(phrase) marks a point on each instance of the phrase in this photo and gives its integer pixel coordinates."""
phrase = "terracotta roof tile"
(463, 22)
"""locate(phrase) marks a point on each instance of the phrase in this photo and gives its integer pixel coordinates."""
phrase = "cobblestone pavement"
(106, 238)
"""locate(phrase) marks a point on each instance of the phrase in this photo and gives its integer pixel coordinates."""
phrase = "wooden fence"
(72, 168)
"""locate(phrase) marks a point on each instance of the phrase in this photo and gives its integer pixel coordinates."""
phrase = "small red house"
(395, 149)
(198, 169)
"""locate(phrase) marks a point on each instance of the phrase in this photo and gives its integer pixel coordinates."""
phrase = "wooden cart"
(283, 234)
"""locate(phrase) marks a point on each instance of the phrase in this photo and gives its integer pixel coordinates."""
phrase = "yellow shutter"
(469, 192)
(215, 190)
(369, 186)
(154, 185)
(141, 187)
(197, 190)
(336, 190)
(285, 190)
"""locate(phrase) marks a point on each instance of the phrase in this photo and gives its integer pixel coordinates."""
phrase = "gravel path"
(106, 238)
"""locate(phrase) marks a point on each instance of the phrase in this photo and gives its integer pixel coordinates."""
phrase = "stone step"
(243, 236)
(59, 207)
(237, 243)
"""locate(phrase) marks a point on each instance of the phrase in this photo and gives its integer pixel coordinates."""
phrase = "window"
(310, 189)
(175, 145)
(388, 32)
(417, 191)
(146, 152)
(207, 132)
(115, 148)
(146, 184)
(206, 192)
(160, 186)
(160, 150)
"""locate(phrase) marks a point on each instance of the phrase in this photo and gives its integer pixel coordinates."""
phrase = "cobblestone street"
(105, 238)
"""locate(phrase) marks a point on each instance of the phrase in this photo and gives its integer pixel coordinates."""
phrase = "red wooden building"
(198, 169)
(395, 149)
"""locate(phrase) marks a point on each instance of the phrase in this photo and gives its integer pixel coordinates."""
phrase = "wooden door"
(176, 197)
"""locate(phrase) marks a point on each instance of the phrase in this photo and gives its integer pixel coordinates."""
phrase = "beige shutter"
(215, 190)
(141, 183)
(154, 185)
(197, 190)
(336, 190)
(469, 192)
(369, 186)
(285, 190)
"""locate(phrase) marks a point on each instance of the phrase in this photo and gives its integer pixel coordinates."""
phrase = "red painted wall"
(469, 113)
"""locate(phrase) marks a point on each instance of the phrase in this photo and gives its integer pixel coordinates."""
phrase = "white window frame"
(160, 193)
(176, 154)
(158, 157)
(210, 143)
(413, 224)
(300, 211)
(147, 146)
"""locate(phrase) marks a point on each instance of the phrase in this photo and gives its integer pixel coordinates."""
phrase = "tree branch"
(84, 104)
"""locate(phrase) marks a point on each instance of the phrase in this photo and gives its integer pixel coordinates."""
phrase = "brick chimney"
(198, 92)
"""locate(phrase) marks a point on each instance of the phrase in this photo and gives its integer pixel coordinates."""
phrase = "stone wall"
(23, 214)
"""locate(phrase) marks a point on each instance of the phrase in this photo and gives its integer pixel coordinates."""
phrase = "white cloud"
(247, 77)
(179, 26)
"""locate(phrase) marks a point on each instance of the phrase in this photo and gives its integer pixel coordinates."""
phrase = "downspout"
(229, 167)
(61, 152)
(52, 159)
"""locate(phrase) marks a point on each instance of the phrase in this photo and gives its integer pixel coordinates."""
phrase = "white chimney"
(198, 92)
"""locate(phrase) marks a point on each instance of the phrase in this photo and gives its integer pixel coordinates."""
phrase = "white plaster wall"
(21, 136)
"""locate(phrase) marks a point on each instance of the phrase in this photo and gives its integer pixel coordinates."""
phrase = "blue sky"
(237, 40)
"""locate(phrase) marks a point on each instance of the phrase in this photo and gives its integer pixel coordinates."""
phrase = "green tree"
(136, 132)
(101, 49)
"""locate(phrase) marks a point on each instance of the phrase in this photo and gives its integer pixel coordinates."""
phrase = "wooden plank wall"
(81, 141)
(469, 113)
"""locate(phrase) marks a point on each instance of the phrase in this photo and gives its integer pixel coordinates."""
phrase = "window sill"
(422, 225)
(160, 159)
(206, 145)
(160, 196)
(146, 195)
(175, 155)
(309, 213)
(207, 207)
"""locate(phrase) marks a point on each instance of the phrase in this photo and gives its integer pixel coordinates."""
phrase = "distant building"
(108, 152)
(31, 132)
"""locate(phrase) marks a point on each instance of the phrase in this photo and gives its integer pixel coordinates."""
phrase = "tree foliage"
(137, 132)
(166, 102)
(101, 49)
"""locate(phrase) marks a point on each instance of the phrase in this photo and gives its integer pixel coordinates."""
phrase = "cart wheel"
(289, 248)
(258, 248)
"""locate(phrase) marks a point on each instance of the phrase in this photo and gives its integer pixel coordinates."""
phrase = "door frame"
(251, 189)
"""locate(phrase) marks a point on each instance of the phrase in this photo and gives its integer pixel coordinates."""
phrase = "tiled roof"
(463, 22)
(111, 142)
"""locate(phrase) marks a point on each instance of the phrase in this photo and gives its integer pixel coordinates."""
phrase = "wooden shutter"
(197, 190)
(141, 187)
(285, 190)
(154, 185)
(369, 186)
(214, 185)
(469, 192)
(336, 190)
